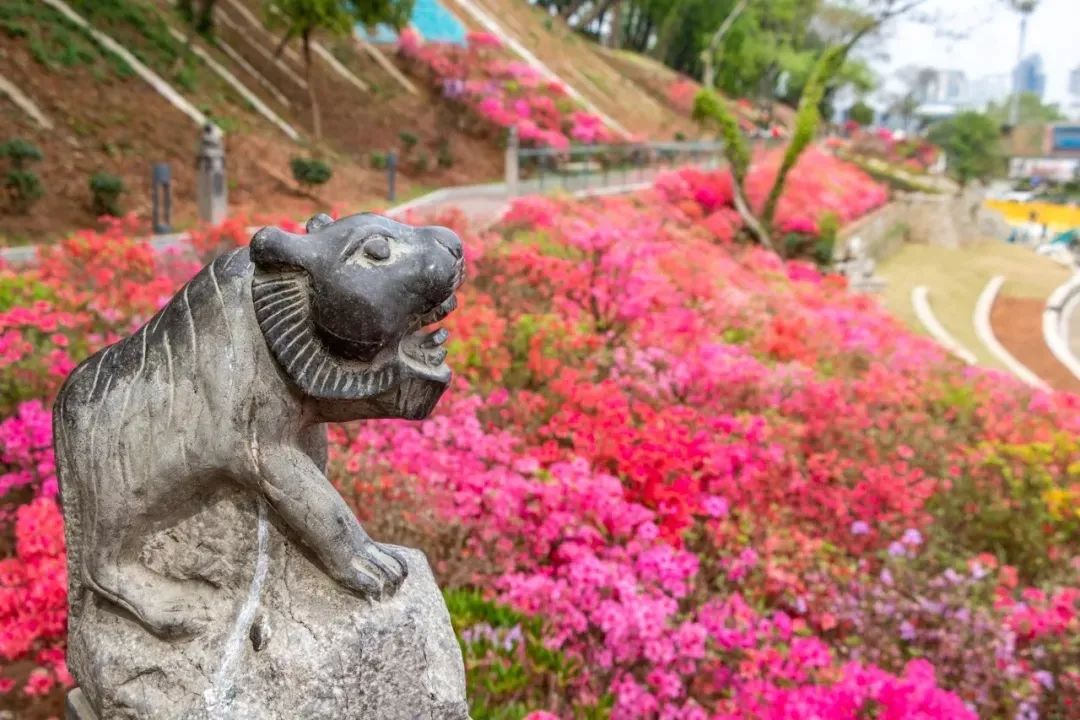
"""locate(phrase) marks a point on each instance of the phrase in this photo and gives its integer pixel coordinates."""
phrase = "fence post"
(211, 190)
(391, 176)
(161, 197)
(511, 163)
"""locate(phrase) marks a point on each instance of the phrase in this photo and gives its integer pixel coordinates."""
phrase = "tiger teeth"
(436, 338)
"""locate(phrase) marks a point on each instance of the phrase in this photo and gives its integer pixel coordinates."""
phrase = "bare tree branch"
(708, 57)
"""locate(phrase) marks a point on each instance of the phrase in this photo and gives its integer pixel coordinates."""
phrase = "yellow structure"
(1058, 218)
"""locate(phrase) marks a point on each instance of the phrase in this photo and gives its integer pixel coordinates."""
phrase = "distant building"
(949, 87)
(1073, 104)
(1050, 152)
(941, 93)
(1029, 76)
(988, 89)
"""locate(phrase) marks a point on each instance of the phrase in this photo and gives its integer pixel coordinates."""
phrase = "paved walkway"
(1072, 324)
(483, 205)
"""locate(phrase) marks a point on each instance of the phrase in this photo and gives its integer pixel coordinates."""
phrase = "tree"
(861, 113)
(709, 53)
(200, 19)
(1031, 110)
(304, 18)
(971, 142)
(905, 106)
(709, 108)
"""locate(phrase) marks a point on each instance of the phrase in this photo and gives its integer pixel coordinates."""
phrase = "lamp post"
(1025, 8)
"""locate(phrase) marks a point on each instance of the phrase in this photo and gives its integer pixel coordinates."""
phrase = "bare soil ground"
(956, 276)
(1017, 323)
(107, 121)
(358, 124)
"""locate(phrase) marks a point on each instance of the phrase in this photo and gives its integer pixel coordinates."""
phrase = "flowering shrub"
(674, 478)
(499, 91)
(913, 154)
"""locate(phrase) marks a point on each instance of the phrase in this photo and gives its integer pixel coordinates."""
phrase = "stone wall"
(947, 220)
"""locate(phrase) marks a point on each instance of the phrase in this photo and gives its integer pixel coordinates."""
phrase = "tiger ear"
(318, 222)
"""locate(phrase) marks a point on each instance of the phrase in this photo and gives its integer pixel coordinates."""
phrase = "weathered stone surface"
(214, 571)
(292, 644)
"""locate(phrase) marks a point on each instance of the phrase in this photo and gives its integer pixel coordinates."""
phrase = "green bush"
(444, 158)
(23, 187)
(861, 113)
(1018, 504)
(105, 192)
(20, 152)
(378, 160)
(408, 139)
(422, 163)
(518, 671)
(828, 230)
(310, 172)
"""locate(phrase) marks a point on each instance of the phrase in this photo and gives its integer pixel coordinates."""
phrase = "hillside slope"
(107, 119)
(582, 65)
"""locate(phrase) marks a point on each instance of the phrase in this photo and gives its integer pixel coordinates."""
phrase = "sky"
(989, 33)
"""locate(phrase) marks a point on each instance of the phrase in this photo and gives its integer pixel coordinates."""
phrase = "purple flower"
(512, 638)
(1044, 678)
(907, 631)
(859, 527)
(896, 549)
(886, 577)
(1027, 711)
(912, 537)
(715, 506)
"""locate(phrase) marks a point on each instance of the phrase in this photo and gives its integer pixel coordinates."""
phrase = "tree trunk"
(752, 224)
(708, 58)
(186, 10)
(281, 45)
(204, 23)
(572, 8)
(316, 119)
(597, 10)
(615, 36)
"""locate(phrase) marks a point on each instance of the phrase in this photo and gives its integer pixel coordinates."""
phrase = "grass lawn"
(955, 277)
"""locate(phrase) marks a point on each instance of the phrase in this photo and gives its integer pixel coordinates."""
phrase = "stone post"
(391, 176)
(211, 190)
(161, 198)
(511, 164)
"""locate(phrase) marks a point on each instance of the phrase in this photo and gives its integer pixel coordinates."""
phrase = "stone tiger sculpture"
(232, 382)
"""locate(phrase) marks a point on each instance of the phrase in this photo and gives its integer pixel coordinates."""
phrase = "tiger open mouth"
(424, 346)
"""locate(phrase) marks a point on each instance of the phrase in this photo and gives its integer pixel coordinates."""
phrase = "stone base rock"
(282, 640)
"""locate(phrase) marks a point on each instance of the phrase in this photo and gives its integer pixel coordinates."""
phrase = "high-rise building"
(1029, 76)
(1073, 105)
(990, 88)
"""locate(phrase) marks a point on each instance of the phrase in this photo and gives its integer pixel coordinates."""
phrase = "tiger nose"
(448, 239)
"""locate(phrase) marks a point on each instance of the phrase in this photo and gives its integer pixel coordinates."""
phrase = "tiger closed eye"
(377, 248)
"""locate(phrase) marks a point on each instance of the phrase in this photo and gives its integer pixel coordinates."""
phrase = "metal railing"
(593, 167)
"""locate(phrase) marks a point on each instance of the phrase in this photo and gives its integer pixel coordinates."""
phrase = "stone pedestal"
(287, 646)
(78, 708)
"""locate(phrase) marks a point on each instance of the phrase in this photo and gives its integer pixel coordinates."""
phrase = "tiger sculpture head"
(346, 311)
